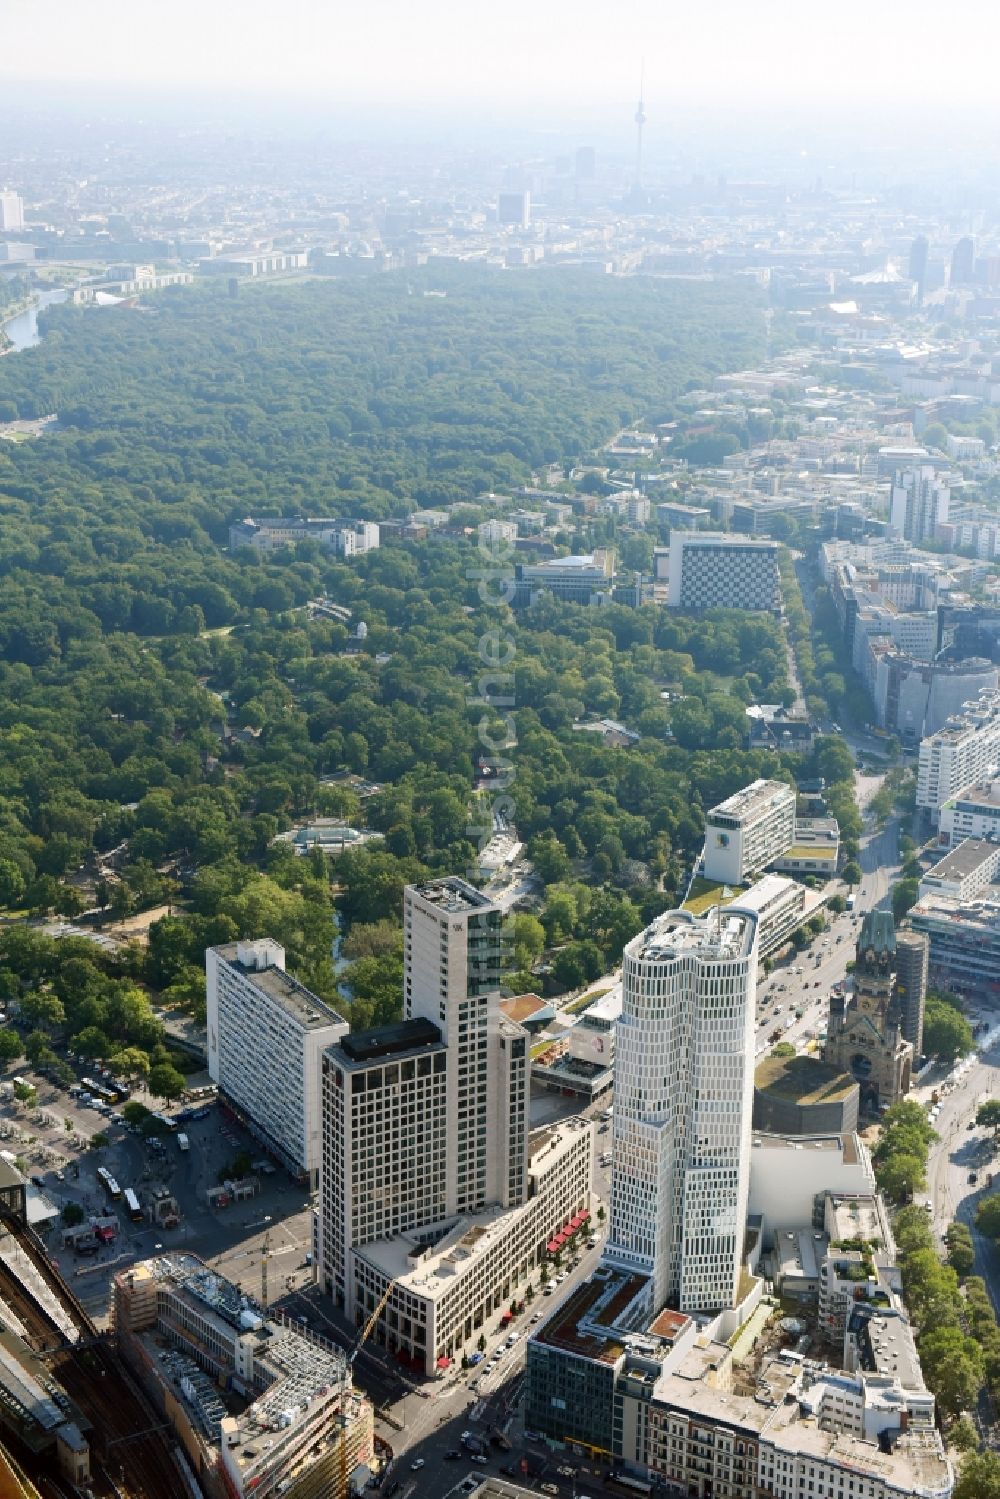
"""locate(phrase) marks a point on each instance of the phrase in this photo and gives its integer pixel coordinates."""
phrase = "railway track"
(125, 1435)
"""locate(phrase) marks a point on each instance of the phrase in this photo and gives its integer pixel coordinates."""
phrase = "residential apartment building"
(748, 831)
(663, 1403)
(919, 504)
(974, 812)
(292, 1423)
(683, 1105)
(965, 751)
(722, 570)
(266, 1033)
(496, 535)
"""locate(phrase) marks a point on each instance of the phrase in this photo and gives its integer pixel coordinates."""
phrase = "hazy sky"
(549, 55)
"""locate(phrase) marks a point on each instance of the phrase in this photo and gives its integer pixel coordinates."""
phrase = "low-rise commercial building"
(448, 1278)
(266, 1035)
(964, 938)
(965, 872)
(815, 851)
(779, 905)
(578, 580)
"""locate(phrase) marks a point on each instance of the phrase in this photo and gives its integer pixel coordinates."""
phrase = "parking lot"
(54, 1142)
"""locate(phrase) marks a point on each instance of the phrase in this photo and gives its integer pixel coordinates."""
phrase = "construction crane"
(345, 1383)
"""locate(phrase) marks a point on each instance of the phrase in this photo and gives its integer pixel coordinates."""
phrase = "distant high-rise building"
(963, 262)
(918, 264)
(683, 1106)
(586, 163)
(514, 209)
(721, 570)
(919, 504)
(11, 211)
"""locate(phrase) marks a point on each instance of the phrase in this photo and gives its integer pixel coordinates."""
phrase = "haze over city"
(499, 751)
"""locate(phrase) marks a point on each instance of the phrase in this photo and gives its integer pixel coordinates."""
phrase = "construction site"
(259, 1404)
(72, 1418)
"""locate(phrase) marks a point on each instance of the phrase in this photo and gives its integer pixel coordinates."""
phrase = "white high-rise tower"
(683, 1101)
(11, 211)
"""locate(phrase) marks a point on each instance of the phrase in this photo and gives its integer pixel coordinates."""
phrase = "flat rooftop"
(981, 794)
(751, 800)
(718, 934)
(964, 860)
(800, 1252)
(389, 1040)
(887, 1348)
(803, 1080)
(843, 1145)
(854, 1217)
(732, 539)
(428, 1266)
(298, 1002)
(585, 1322)
(968, 917)
(453, 894)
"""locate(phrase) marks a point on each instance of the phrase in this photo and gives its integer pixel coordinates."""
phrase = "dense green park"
(155, 689)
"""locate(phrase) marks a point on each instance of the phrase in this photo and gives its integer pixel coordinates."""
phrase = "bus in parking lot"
(132, 1206)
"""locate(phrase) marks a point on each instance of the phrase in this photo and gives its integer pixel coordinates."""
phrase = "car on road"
(550, 1488)
(478, 1457)
(452, 1455)
(416, 1465)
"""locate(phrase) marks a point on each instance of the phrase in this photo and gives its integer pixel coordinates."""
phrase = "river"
(23, 329)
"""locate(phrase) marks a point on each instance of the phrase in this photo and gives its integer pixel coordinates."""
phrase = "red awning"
(443, 1361)
(583, 1216)
(552, 1246)
(577, 1219)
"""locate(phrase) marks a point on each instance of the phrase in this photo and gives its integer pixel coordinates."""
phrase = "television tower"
(640, 120)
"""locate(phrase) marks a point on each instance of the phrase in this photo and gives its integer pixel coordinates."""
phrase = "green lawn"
(585, 1001)
(705, 894)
